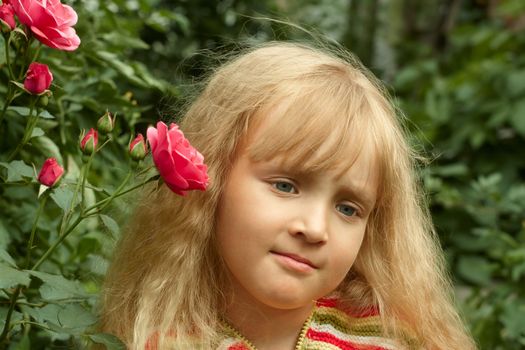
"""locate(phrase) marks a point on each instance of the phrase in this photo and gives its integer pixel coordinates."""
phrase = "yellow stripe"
(318, 345)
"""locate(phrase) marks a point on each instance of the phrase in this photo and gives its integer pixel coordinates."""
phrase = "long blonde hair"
(167, 278)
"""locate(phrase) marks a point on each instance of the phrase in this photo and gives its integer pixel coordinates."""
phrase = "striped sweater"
(329, 328)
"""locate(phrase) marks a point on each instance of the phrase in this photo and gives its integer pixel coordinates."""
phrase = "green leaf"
(475, 269)
(4, 256)
(123, 68)
(109, 340)
(37, 132)
(114, 61)
(125, 41)
(48, 148)
(17, 170)
(56, 287)
(24, 112)
(63, 196)
(111, 225)
(12, 277)
(64, 319)
(75, 316)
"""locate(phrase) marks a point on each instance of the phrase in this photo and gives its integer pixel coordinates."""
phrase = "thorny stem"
(12, 304)
(83, 187)
(8, 60)
(57, 243)
(105, 200)
(8, 100)
(114, 195)
(33, 230)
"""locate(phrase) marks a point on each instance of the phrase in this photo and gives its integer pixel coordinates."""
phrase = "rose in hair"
(38, 78)
(7, 16)
(50, 22)
(180, 165)
(50, 173)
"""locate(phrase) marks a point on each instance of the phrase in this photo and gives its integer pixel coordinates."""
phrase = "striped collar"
(330, 327)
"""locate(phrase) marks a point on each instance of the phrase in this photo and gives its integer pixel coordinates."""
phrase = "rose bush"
(180, 165)
(38, 78)
(7, 15)
(50, 22)
(50, 173)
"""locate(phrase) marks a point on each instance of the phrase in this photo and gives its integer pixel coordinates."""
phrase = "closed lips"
(296, 258)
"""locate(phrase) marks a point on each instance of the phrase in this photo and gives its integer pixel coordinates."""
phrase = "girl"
(312, 234)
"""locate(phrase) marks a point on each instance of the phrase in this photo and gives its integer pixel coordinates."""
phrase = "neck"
(267, 327)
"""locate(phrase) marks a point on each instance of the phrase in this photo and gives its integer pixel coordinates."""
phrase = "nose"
(311, 223)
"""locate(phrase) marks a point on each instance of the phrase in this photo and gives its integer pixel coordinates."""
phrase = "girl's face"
(289, 237)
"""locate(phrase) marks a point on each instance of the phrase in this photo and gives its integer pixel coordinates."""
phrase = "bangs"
(319, 127)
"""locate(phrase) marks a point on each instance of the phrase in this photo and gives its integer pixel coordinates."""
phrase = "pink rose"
(50, 173)
(7, 15)
(38, 78)
(88, 144)
(50, 22)
(180, 165)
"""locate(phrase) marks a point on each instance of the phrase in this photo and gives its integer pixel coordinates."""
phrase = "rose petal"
(168, 170)
(152, 136)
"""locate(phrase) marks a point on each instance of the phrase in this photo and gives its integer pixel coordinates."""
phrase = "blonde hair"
(167, 278)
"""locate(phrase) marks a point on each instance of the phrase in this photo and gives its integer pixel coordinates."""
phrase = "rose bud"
(180, 165)
(50, 173)
(138, 148)
(106, 123)
(88, 145)
(7, 17)
(38, 78)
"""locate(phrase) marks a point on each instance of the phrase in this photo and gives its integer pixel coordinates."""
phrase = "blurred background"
(456, 68)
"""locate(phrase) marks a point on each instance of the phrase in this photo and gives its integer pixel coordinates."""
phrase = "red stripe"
(238, 346)
(327, 302)
(342, 344)
(350, 311)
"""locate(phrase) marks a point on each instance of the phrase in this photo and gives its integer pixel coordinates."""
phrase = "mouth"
(295, 261)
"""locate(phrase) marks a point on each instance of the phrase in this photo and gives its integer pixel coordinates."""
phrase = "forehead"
(309, 144)
(311, 137)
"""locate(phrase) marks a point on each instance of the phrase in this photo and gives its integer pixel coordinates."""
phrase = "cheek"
(346, 249)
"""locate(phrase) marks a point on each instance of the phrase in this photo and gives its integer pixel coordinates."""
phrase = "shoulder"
(336, 326)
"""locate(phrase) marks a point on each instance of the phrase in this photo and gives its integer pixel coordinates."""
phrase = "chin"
(289, 299)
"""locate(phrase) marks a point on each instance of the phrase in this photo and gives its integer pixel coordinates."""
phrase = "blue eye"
(284, 187)
(346, 210)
